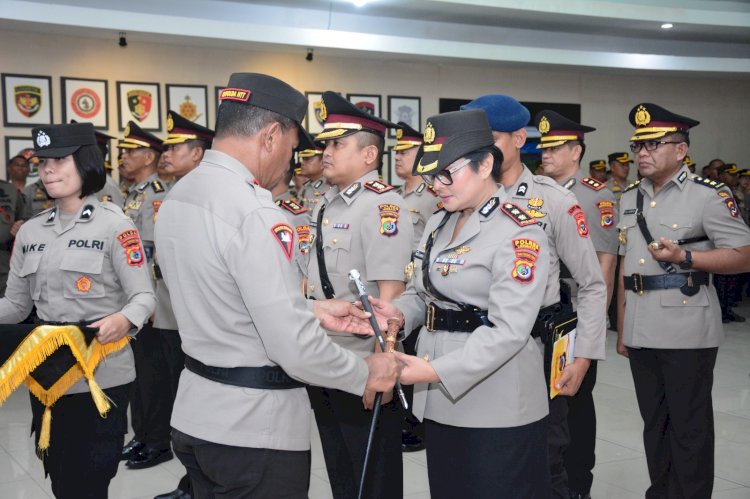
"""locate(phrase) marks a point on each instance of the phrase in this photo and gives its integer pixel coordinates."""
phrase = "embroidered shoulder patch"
(707, 182)
(592, 183)
(131, 242)
(157, 186)
(291, 206)
(607, 212)
(389, 219)
(518, 214)
(303, 236)
(632, 186)
(285, 237)
(378, 186)
(527, 252)
(580, 217)
(732, 206)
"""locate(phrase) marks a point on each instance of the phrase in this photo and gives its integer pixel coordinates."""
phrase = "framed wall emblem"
(314, 120)
(27, 100)
(140, 102)
(189, 101)
(406, 109)
(367, 103)
(85, 100)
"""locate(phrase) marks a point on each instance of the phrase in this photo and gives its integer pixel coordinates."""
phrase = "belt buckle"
(638, 284)
(430, 318)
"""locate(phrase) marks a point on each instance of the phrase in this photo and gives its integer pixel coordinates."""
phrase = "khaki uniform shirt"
(492, 377)
(422, 202)
(312, 191)
(365, 230)
(142, 205)
(90, 268)
(555, 209)
(598, 204)
(37, 199)
(226, 253)
(684, 208)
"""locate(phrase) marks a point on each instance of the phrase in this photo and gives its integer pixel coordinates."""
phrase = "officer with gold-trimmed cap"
(598, 170)
(310, 158)
(360, 223)
(676, 229)
(619, 163)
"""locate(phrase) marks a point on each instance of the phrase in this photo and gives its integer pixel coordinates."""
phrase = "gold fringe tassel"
(44, 433)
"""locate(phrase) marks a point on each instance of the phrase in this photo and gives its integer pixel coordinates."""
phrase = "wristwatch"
(687, 263)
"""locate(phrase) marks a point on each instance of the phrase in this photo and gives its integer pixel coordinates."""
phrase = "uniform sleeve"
(129, 262)
(260, 257)
(387, 234)
(722, 221)
(602, 217)
(513, 303)
(578, 255)
(16, 305)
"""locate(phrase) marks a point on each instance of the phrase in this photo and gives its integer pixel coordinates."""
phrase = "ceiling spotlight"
(359, 3)
(310, 55)
(123, 41)
(667, 26)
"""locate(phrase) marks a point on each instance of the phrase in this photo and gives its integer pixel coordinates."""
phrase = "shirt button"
(685, 302)
(325, 221)
(335, 240)
(311, 287)
(674, 226)
(642, 261)
(653, 204)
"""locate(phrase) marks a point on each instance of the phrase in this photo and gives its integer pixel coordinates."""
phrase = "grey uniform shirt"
(684, 208)
(598, 204)
(110, 192)
(89, 268)
(555, 209)
(36, 198)
(492, 377)
(312, 191)
(226, 253)
(365, 230)
(142, 205)
(422, 202)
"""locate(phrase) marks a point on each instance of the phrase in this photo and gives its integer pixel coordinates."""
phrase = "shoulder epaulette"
(592, 183)
(157, 186)
(291, 206)
(420, 188)
(707, 182)
(378, 186)
(632, 186)
(518, 214)
(318, 183)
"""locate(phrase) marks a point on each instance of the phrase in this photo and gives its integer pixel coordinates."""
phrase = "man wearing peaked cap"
(227, 254)
(675, 230)
(310, 157)
(598, 170)
(111, 191)
(619, 163)
(360, 223)
(572, 254)
(728, 286)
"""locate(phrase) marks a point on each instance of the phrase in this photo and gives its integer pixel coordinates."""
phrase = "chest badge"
(535, 208)
(83, 284)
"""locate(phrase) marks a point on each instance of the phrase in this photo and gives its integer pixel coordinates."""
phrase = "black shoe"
(175, 494)
(148, 458)
(131, 449)
(736, 317)
(411, 442)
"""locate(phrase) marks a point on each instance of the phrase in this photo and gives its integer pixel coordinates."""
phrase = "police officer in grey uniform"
(480, 386)
(13, 212)
(676, 229)
(150, 445)
(36, 198)
(81, 262)
(297, 215)
(619, 163)
(570, 246)
(562, 145)
(241, 420)
(111, 191)
(361, 223)
(311, 165)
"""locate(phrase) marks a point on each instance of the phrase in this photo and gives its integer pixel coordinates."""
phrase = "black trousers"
(558, 439)
(579, 456)
(84, 447)
(344, 425)
(673, 388)
(220, 471)
(488, 463)
(153, 393)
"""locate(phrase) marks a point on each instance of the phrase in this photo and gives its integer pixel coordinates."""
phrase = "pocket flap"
(86, 262)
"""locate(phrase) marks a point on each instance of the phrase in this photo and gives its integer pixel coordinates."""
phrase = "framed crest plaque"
(27, 100)
(140, 102)
(189, 101)
(85, 100)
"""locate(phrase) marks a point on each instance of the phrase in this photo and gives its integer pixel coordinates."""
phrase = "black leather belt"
(688, 282)
(264, 378)
(545, 318)
(454, 321)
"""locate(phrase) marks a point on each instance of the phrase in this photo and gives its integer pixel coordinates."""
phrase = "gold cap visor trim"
(402, 145)
(132, 144)
(177, 138)
(334, 130)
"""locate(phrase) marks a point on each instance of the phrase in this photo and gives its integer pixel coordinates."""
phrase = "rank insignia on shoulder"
(421, 188)
(51, 216)
(522, 189)
(291, 206)
(352, 189)
(518, 215)
(389, 219)
(285, 237)
(592, 183)
(488, 207)
(318, 183)
(157, 185)
(378, 186)
(570, 183)
(682, 177)
(632, 186)
(707, 182)
(87, 211)
(419, 254)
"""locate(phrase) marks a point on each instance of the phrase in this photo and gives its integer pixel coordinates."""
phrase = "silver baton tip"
(354, 274)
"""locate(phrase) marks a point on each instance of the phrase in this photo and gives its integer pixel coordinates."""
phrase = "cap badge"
(323, 111)
(642, 117)
(42, 139)
(429, 134)
(399, 133)
(544, 125)
(127, 130)
(170, 123)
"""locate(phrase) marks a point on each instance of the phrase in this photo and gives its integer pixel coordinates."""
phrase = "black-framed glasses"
(445, 177)
(649, 145)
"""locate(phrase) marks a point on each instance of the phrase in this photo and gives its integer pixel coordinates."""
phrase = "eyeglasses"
(650, 145)
(445, 177)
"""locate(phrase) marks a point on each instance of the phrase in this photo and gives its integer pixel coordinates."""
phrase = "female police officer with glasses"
(480, 387)
(81, 262)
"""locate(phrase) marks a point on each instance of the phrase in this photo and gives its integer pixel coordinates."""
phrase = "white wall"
(722, 104)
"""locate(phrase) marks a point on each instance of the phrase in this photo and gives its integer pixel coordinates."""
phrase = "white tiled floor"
(620, 471)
